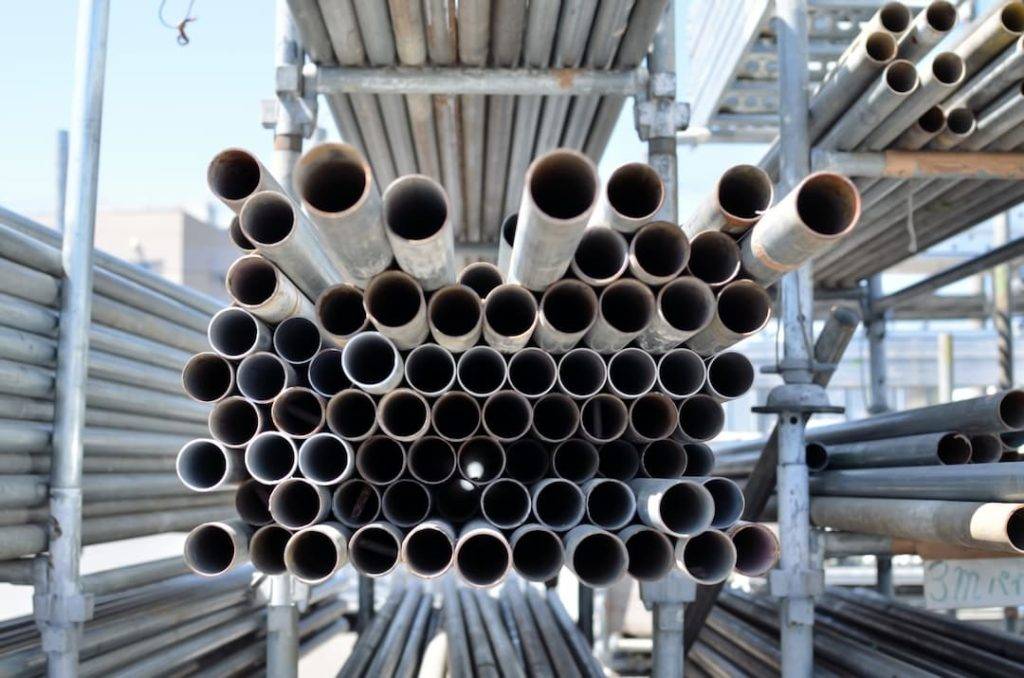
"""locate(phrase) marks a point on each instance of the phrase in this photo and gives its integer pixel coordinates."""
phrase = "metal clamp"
(796, 583)
(296, 93)
(675, 589)
(659, 118)
(53, 612)
(797, 399)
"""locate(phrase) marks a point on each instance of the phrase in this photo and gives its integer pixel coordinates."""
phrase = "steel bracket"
(797, 399)
(53, 613)
(675, 589)
(296, 92)
(796, 584)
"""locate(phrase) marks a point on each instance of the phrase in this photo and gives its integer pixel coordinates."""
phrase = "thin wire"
(182, 38)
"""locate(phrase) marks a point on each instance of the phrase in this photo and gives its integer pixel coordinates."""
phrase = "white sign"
(982, 582)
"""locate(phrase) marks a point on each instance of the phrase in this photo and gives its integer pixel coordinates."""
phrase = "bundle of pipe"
(857, 632)
(547, 419)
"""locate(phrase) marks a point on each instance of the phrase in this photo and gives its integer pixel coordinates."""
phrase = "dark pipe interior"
(563, 185)
(324, 458)
(202, 464)
(661, 249)
(601, 254)
(351, 414)
(428, 551)
(664, 459)
(526, 460)
(582, 372)
(511, 310)
(405, 503)
(429, 368)
(266, 549)
(233, 331)
(604, 417)
(569, 306)
(455, 310)
(271, 457)
(295, 503)
(559, 504)
(701, 418)
(456, 415)
(635, 190)
(369, 359)
(403, 413)
(340, 310)
(506, 503)
(298, 412)
(681, 373)
(325, 373)
(262, 377)
(207, 377)
(714, 257)
(745, 191)
(627, 305)
(507, 415)
(331, 180)
(632, 372)
(599, 559)
(618, 460)
(380, 460)
(356, 503)
(537, 555)
(233, 174)
(431, 460)
(374, 550)
(210, 549)
(650, 555)
(415, 208)
(393, 298)
(555, 416)
(234, 421)
(481, 370)
(268, 218)
(481, 459)
(297, 339)
(575, 460)
(531, 371)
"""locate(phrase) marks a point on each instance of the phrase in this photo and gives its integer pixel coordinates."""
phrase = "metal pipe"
(974, 482)
(238, 238)
(405, 503)
(396, 307)
(234, 175)
(481, 277)
(419, 228)
(532, 372)
(631, 197)
(603, 418)
(260, 287)
(701, 418)
(352, 414)
(582, 373)
(757, 548)
(728, 499)
(297, 503)
(526, 460)
(575, 460)
(336, 187)
(558, 504)
(455, 316)
(252, 502)
(986, 448)
(918, 450)
(714, 258)
(601, 257)
(995, 78)
(651, 554)
(507, 415)
(537, 552)
(298, 411)
(730, 375)
(208, 377)
(652, 416)
(212, 549)
(960, 124)
(506, 238)
(685, 306)
(431, 460)
(610, 503)
(681, 373)
(930, 26)
(707, 557)
(297, 340)
(626, 308)
(481, 460)
(455, 416)
(266, 549)
(326, 459)
(743, 309)
(991, 36)
(556, 417)
(510, 316)
(505, 503)
(372, 362)
(263, 376)
(236, 333)
(205, 465)
(598, 558)
(404, 415)
(898, 83)
(741, 196)
(618, 460)
(559, 195)
(235, 421)
(380, 460)
(481, 371)
(680, 507)
(356, 503)
(313, 554)
(663, 459)
(429, 548)
(458, 500)
(325, 374)
(340, 313)
(658, 253)
(374, 549)
(482, 555)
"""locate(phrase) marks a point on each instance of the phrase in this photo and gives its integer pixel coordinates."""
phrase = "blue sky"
(168, 109)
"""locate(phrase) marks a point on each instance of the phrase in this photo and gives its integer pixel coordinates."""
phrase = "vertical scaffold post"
(874, 328)
(667, 599)
(61, 607)
(282, 629)
(1002, 304)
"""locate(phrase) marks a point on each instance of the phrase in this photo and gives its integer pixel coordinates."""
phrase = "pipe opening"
(1015, 529)
(526, 460)
(709, 557)
(744, 307)
(325, 459)
(961, 121)
(714, 257)
(681, 373)
(901, 76)
(266, 549)
(415, 207)
(610, 504)
(932, 121)
(627, 305)
(356, 503)
(297, 340)
(563, 184)
(481, 371)
(1012, 16)
(653, 416)
(953, 448)
(252, 280)
(331, 178)
(686, 508)
(650, 554)
(828, 203)
(483, 558)
(393, 299)
(537, 554)
(297, 503)
(428, 551)
(298, 412)
(458, 500)
(730, 374)
(508, 229)
(632, 372)
(635, 190)
(687, 304)
(352, 414)
(481, 459)
(582, 372)
(234, 421)
(880, 47)
(699, 459)
(233, 332)
(340, 310)
(745, 191)
(505, 503)
(430, 369)
(604, 417)
(238, 238)
(602, 254)
(271, 457)
(894, 17)
(207, 377)
(532, 372)
(569, 306)
(481, 277)
(325, 373)
(559, 504)
(455, 310)
(728, 500)
(262, 377)
(507, 415)
(431, 460)
(555, 417)
(202, 465)
(1011, 407)
(816, 455)
(369, 359)
(233, 174)
(948, 67)
(664, 459)
(268, 218)
(404, 414)
(599, 559)
(576, 460)
(756, 550)
(661, 249)
(618, 460)
(405, 503)
(209, 549)
(511, 310)
(374, 550)
(313, 556)
(701, 417)
(380, 460)
(986, 448)
(252, 502)
(456, 416)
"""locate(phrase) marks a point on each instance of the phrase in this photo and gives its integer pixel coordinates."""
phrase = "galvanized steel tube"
(315, 553)
(352, 414)
(380, 460)
(455, 317)
(205, 465)
(743, 309)
(296, 503)
(625, 309)
(680, 507)
(507, 415)
(598, 558)
(326, 459)
(260, 287)
(263, 376)
(431, 460)
(707, 557)
(575, 460)
(658, 252)
(741, 195)
(356, 503)
(757, 548)
(372, 362)
(651, 554)
(537, 552)
(601, 257)
(603, 418)
(374, 549)
(298, 411)
(418, 226)
(925, 449)
(556, 417)
(610, 504)
(685, 306)
(234, 175)
(297, 340)
(558, 504)
(482, 555)
(505, 503)
(730, 375)
(481, 460)
(455, 416)
(211, 549)
(208, 377)
(325, 374)
(510, 316)
(630, 198)
(428, 550)
(340, 313)
(568, 309)
(481, 277)
(481, 371)
(395, 305)
(405, 503)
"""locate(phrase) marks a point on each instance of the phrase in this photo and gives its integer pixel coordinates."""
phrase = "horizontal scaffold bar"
(922, 164)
